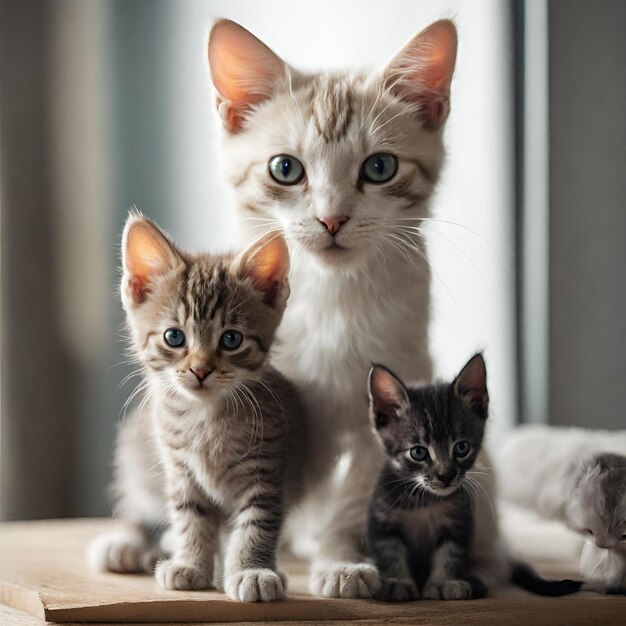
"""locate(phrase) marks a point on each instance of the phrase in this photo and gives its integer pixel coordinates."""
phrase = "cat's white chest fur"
(336, 325)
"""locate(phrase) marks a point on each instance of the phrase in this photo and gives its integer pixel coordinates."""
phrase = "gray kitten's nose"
(333, 223)
(200, 373)
(446, 478)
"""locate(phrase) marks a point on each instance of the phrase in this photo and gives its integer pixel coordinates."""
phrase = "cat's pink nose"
(200, 373)
(333, 223)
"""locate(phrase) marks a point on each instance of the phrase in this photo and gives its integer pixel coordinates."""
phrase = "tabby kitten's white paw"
(345, 580)
(398, 590)
(255, 585)
(182, 576)
(124, 552)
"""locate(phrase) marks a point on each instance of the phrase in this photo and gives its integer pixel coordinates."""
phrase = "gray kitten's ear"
(243, 69)
(421, 72)
(147, 253)
(388, 396)
(471, 385)
(266, 263)
(590, 469)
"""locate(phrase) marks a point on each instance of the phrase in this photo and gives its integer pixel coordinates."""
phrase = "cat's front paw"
(124, 552)
(183, 576)
(345, 580)
(449, 590)
(255, 585)
(398, 590)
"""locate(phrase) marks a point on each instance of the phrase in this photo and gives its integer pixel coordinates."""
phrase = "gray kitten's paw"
(431, 592)
(449, 590)
(255, 585)
(124, 552)
(175, 575)
(398, 590)
(345, 580)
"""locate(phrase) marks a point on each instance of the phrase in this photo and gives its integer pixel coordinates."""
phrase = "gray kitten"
(597, 509)
(220, 433)
(431, 530)
(576, 476)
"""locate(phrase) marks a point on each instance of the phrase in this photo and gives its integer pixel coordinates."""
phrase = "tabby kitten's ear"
(243, 69)
(388, 396)
(147, 253)
(471, 385)
(422, 71)
(266, 263)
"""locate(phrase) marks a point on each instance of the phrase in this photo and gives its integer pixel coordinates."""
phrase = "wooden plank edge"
(227, 611)
(306, 610)
(22, 599)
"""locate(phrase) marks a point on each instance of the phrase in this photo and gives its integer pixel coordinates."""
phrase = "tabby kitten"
(345, 163)
(432, 528)
(228, 428)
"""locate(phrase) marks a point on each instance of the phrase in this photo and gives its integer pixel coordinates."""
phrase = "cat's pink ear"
(388, 396)
(266, 264)
(471, 385)
(146, 254)
(422, 71)
(243, 69)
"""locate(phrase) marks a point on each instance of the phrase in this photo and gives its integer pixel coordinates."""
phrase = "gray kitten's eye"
(174, 337)
(286, 170)
(379, 168)
(419, 453)
(461, 449)
(231, 339)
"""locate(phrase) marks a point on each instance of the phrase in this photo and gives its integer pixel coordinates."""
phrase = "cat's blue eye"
(231, 340)
(286, 170)
(461, 449)
(419, 453)
(174, 337)
(379, 168)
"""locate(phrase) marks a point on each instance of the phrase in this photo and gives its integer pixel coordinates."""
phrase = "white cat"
(345, 165)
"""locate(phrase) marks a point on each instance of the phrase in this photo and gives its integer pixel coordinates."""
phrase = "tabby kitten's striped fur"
(228, 428)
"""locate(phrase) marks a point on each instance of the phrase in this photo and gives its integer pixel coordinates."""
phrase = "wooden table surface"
(44, 578)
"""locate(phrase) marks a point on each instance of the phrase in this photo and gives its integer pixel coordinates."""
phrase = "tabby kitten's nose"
(333, 223)
(200, 374)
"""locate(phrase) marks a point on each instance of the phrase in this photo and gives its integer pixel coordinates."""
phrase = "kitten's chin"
(336, 257)
(443, 492)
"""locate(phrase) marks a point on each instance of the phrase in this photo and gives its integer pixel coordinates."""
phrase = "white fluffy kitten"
(577, 476)
(345, 164)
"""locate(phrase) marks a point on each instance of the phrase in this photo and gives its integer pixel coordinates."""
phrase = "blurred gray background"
(106, 104)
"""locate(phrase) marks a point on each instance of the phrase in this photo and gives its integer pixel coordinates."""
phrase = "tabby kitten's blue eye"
(419, 453)
(231, 339)
(174, 337)
(286, 170)
(379, 168)
(461, 449)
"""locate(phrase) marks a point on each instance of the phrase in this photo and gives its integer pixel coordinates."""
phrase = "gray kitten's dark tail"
(527, 578)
